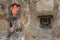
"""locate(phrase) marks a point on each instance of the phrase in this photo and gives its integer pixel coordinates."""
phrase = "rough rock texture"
(44, 5)
(31, 29)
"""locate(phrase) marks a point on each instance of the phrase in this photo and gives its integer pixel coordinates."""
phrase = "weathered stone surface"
(3, 25)
(45, 5)
(32, 26)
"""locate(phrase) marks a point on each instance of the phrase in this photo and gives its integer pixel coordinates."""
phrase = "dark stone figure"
(13, 15)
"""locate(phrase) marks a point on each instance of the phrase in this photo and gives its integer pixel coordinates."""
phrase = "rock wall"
(39, 8)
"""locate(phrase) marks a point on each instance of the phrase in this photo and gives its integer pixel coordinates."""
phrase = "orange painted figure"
(14, 15)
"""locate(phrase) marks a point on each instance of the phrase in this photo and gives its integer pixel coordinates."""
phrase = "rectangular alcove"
(45, 21)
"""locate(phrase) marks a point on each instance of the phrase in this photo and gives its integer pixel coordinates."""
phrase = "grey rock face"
(45, 5)
(32, 26)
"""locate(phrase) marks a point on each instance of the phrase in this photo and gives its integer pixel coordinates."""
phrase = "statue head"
(14, 8)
